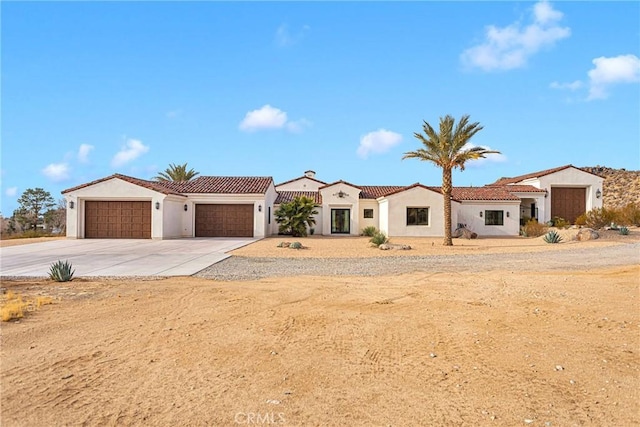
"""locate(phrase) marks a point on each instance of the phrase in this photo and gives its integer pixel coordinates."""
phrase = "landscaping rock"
(384, 247)
(283, 244)
(587, 234)
(457, 233)
(468, 234)
(388, 246)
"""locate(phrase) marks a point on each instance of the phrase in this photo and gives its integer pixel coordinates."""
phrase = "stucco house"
(121, 206)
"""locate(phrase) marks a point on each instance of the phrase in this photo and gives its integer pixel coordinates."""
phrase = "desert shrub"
(582, 219)
(378, 239)
(552, 237)
(628, 215)
(369, 231)
(560, 222)
(295, 245)
(598, 218)
(61, 271)
(14, 306)
(623, 231)
(283, 245)
(533, 229)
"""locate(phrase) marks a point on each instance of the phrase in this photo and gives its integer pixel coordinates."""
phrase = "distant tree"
(294, 217)
(57, 217)
(448, 150)
(176, 173)
(33, 202)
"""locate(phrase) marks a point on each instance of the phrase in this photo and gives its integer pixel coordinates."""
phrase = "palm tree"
(176, 173)
(295, 216)
(448, 150)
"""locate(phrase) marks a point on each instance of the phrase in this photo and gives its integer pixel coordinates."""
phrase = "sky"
(89, 89)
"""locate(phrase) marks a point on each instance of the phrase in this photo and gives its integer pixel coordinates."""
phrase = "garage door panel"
(224, 220)
(568, 202)
(117, 219)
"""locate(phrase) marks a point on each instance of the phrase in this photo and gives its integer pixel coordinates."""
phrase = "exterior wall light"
(185, 207)
(598, 193)
(480, 214)
(158, 205)
(71, 205)
(507, 214)
(259, 208)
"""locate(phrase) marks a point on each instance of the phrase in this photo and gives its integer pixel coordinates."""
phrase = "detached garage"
(568, 202)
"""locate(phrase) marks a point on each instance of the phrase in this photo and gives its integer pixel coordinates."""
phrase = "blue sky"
(91, 89)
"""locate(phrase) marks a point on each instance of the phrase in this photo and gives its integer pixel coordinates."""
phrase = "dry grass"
(26, 241)
(14, 306)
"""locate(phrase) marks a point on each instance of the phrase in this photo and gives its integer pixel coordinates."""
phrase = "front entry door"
(340, 223)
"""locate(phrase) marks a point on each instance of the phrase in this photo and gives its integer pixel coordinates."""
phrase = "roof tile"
(160, 187)
(287, 196)
(224, 185)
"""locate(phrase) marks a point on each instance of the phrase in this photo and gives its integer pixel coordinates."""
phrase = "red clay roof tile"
(287, 196)
(151, 185)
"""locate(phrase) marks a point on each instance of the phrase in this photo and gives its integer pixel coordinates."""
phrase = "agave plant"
(378, 239)
(296, 245)
(61, 271)
(624, 231)
(552, 237)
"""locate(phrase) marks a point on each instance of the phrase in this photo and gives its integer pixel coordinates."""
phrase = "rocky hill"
(620, 188)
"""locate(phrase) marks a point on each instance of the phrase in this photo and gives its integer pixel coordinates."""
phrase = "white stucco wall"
(383, 212)
(174, 217)
(113, 189)
(367, 222)
(396, 213)
(300, 184)
(469, 213)
(331, 200)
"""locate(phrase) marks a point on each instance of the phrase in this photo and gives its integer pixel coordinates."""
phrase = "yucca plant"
(378, 238)
(552, 237)
(624, 231)
(61, 271)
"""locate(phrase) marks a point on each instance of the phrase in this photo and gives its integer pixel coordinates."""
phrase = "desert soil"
(500, 347)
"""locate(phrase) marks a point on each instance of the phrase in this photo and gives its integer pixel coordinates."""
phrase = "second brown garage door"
(224, 220)
(117, 220)
(568, 203)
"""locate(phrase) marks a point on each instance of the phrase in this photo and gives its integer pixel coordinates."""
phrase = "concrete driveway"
(92, 257)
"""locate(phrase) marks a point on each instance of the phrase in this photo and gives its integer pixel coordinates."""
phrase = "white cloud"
(269, 117)
(378, 142)
(132, 149)
(11, 191)
(56, 171)
(568, 86)
(490, 158)
(83, 152)
(284, 38)
(611, 71)
(511, 46)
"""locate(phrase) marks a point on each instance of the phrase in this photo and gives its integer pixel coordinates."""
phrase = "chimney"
(310, 174)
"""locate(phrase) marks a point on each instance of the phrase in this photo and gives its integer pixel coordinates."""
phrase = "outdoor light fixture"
(259, 208)
(598, 193)
(157, 205)
(507, 214)
(480, 214)
(341, 194)
(71, 205)
(546, 193)
(185, 207)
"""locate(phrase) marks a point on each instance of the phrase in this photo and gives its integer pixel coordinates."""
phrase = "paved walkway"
(98, 257)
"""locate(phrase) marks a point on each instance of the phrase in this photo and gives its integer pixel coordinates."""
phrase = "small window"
(493, 217)
(269, 214)
(368, 213)
(417, 216)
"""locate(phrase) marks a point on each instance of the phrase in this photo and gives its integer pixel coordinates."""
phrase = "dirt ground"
(496, 348)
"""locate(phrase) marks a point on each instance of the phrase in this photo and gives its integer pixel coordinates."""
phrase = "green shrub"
(378, 239)
(560, 222)
(61, 271)
(582, 219)
(369, 231)
(624, 231)
(295, 245)
(599, 218)
(552, 237)
(533, 229)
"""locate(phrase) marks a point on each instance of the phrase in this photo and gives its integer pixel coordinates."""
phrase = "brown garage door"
(117, 220)
(224, 220)
(568, 203)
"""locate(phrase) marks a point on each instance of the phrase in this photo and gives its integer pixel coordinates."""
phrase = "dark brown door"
(568, 203)
(224, 220)
(117, 220)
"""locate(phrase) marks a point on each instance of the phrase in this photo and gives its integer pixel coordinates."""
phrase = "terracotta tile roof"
(287, 196)
(409, 187)
(151, 185)
(515, 179)
(224, 185)
(375, 191)
(301, 177)
(340, 182)
(482, 193)
(520, 188)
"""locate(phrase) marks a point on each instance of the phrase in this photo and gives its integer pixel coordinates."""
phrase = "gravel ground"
(246, 268)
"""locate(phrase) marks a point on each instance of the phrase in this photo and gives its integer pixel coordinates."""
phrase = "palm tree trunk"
(446, 194)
